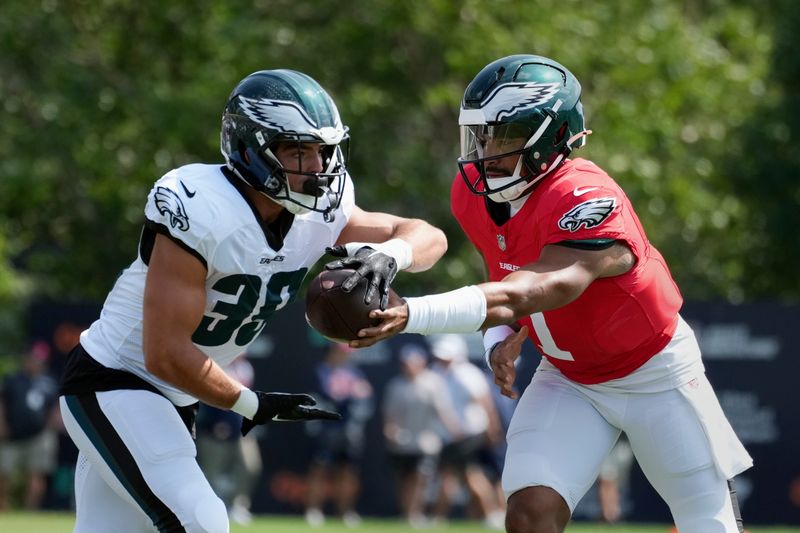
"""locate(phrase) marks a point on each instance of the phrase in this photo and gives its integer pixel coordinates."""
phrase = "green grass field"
(62, 523)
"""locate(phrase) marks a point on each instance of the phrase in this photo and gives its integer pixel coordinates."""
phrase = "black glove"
(379, 268)
(285, 407)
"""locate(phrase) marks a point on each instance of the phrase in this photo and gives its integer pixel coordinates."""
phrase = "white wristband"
(398, 249)
(247, 403)
(460, 311)
(492, 337)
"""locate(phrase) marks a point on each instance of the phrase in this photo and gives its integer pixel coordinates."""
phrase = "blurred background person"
(339, 445)
(479, 425)
(493, 453)
(231, 462)
(28, 418)
(612, 482)
(416, 415)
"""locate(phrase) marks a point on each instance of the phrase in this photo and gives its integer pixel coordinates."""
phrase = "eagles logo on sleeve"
(167, 201)
(590, 213)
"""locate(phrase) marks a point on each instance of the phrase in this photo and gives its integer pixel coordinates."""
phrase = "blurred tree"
(763, 166)
(691, 103)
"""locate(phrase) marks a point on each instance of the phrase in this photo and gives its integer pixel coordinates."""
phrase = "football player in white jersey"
(223, 248)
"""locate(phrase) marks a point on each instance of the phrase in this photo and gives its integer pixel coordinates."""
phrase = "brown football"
(336, 314)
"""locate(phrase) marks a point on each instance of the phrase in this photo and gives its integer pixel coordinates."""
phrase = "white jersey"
(246, 280)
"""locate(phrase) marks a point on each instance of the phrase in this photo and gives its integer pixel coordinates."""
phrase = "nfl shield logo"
(501, 242)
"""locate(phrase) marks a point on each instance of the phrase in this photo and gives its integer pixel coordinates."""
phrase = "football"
(336, 314)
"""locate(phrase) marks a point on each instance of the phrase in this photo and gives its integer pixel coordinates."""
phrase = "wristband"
(397, 249)
(247, 403)
(491, 338)
(460, 311)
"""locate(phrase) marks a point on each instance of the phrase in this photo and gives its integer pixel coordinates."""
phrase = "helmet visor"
(493, 148)
(489, 141)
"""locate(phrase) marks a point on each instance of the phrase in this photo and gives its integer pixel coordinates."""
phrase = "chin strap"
(577, 136)
(517, 191)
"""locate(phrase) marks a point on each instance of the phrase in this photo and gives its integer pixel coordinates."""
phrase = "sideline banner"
(751, 358)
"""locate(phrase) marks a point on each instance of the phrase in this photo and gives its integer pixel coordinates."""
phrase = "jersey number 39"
(229, 318)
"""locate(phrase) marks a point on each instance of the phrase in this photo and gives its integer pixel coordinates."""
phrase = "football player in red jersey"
(570, 266)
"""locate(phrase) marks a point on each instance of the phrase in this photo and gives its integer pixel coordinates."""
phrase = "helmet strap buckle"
(578, 136)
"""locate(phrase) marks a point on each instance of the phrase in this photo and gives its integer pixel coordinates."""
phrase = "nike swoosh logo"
(191, 194)
(578, 191)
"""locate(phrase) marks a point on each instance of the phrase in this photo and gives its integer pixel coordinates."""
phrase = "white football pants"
(137, 470)
(561, 432)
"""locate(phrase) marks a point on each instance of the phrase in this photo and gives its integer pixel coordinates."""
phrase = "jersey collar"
(276, 232)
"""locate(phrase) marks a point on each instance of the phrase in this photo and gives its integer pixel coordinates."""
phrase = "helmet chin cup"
(293, 207)
(299, 203)
(511, 193)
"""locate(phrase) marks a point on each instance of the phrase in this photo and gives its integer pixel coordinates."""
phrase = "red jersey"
(618, 323)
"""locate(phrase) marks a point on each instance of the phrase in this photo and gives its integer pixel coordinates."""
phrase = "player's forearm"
(187, 368)
(523, 293)
(491, 304)
(428, 243)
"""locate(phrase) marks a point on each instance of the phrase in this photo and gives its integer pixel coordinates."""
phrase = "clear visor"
(485, 141)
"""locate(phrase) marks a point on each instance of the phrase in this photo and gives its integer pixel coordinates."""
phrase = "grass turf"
(18, 522)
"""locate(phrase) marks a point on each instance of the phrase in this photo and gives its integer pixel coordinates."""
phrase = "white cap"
(450, 347)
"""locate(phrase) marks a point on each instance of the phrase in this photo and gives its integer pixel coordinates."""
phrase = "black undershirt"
(500, 212)
(84, 375)
(276, 231)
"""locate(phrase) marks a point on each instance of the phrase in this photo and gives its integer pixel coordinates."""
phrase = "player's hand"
(502, 360)
(285, 407)
(379, 269)
(393, 320)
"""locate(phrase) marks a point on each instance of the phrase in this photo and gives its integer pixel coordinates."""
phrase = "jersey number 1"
(546, 338)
